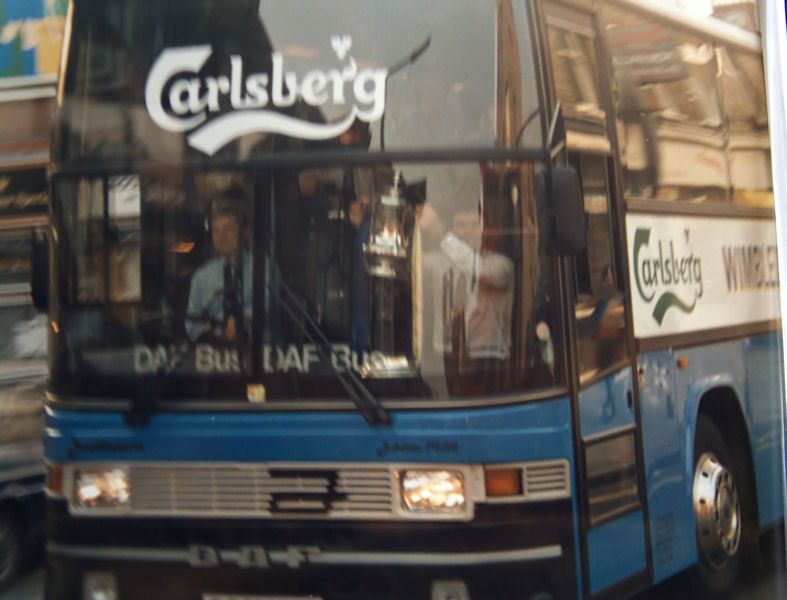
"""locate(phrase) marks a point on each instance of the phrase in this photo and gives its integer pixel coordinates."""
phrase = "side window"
(742, 82)
(600, 307)
(690, 117)
(575, 67)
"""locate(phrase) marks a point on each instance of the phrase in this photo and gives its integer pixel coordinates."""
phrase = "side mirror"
(39, 273)
(562, 216)
(569, 211)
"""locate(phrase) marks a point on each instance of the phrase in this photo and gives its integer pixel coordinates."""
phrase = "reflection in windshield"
(147, 86)
(684, 101)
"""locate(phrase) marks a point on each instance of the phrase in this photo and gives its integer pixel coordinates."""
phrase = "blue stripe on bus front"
(531, 431)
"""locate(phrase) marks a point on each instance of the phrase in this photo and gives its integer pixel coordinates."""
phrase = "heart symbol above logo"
(341, 45)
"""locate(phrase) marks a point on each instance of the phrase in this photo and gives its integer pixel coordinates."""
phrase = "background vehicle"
(503, 301)
(23, 373)
(32, 35)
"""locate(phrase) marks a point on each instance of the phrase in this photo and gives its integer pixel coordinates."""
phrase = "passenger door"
(615, 555)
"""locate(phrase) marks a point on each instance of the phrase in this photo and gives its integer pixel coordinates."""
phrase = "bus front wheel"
(717, 511)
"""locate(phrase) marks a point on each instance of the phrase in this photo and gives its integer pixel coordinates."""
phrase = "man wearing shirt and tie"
(220, 296)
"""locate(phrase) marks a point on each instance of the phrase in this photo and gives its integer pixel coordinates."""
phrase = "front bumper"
(506, 553)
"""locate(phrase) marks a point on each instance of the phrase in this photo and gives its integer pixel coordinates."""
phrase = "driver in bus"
(220, 296)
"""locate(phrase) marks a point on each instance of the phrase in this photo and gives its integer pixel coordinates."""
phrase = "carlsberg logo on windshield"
(667, 273)
(178, 99)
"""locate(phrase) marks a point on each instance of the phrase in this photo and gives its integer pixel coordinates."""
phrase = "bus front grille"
(239, 490)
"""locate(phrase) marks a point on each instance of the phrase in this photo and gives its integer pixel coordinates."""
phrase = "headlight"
(101, 488)
(433, 491)
(99, 586)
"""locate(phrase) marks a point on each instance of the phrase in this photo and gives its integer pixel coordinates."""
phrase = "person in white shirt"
(478, 281)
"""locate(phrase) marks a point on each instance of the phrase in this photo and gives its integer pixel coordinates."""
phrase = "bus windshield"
(425, 279)
(192, 265)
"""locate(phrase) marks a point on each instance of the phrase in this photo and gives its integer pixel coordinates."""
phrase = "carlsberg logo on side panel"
(667, 273)
(180, 100)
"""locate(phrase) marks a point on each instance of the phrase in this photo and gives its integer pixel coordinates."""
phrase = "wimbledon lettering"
(751, 267)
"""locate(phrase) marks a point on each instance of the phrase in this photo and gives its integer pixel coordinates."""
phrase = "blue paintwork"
(764, 374)
(532, 431)
(604, 405)
(669, 492)
(617, 549)
(669, 405)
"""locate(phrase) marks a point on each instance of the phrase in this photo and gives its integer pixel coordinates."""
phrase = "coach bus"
(461, 299)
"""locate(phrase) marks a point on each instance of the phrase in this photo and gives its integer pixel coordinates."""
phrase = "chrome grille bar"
(238, 490)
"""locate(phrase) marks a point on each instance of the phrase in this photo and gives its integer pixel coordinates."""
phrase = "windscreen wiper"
(370, 407)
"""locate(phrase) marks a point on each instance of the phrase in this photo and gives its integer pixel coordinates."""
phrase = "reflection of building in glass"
(32, 34)
(701, 97)
(509, 77)
(741, 13)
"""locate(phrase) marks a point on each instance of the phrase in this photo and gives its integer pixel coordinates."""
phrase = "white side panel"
(694, 273)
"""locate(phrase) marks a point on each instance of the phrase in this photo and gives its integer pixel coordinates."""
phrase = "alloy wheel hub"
(717, 511)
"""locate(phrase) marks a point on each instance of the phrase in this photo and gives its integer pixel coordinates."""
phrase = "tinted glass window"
(574, 64)
(600, 308)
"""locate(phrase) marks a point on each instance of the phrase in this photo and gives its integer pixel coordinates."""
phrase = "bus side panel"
(751, 367)
(605, 542)
(671, 520)
(763, 392)
(670, 399)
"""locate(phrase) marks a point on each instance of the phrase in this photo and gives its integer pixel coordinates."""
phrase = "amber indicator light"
(503, 482)
(54, 479)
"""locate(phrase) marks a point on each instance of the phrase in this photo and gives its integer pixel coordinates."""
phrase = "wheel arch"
(723, 406)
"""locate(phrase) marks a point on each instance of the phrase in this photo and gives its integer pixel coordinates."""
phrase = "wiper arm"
(369, 406)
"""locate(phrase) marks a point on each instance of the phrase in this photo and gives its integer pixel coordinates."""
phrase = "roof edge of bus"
(712, 27)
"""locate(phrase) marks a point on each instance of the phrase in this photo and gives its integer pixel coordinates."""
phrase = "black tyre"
(10, 550)
(718, 496)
